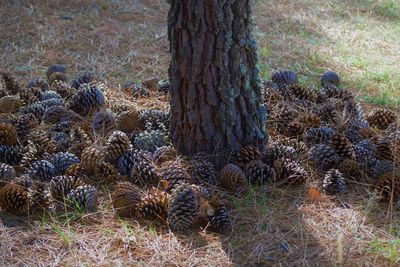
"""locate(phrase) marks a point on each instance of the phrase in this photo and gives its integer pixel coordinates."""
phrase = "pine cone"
(46, 104)
(164, 153)
(106, 173)
(55, 69)
(57, 77)
(61, 140)
(24, 180)
(332, 91)
(218, 215)
(324, 157)
(381, 118)
(127, 160)
(10, 104)
(119, 106)
(299, 146)
(353, 135)
(379, 167)
(334, 182)
(183, 206)
(31, 153)
(353, 112)
(284, 77)
(308, 121)
(62, 127)
(91, 156)
(84, 198)
(39, 197)
(60, 186)
(363, 154)
(154, 118)
(367, 133)
(50, 94)
(233, 179)
(285, 117)
(150, 140)
(278, 151)
(342, 146)
(300, 92)
(87, 99)
(202, 172)
(103, 122)
(7, 174)
(125, 199)
(128, 121)
(164, 86)
(327, 110)
(62, 161)
(38, 83)
(154, 204)
(24, 124)
(79, 141)
(43, 141)
(144, 172)
(330, 78)
(289, 172)
(383, 150)
(8, 134)
(14, 199)
(117, 144)
(64, 89)
(259, 173)
(10, 83)
(293, 130)
(246, 154)
(318, 135)
(30, 95)
(76, 170)
(10, 154)
(135, 89)
(82, 78)
(42, 171)
(174, 172)
(57, 113)
(366, 144)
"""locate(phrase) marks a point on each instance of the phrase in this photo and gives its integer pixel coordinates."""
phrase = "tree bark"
(216, 97)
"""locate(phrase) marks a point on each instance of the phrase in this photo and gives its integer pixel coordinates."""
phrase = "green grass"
(255, 197)
(67, 241)
(357, 39)
(389, 249)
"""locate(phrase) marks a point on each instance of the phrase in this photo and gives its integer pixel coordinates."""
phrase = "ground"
(124, 40)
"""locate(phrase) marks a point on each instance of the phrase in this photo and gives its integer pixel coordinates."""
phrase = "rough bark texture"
(216, 97)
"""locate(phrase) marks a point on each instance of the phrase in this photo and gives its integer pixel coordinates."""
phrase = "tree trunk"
(216, 97)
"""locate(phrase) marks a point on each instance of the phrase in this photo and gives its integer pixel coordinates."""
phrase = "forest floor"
(122, 40)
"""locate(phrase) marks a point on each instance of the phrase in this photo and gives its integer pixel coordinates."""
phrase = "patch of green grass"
(383, 99)
(389, 249)
(62, 234)
(349, 37)
(129, 229)
(254, 198)
(390, 8)
(152, 229)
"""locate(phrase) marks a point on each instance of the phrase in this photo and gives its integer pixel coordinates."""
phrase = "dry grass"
(126, 39)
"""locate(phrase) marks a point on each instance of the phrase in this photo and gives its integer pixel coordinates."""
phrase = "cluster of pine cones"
(327, 131)
(61, 139)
